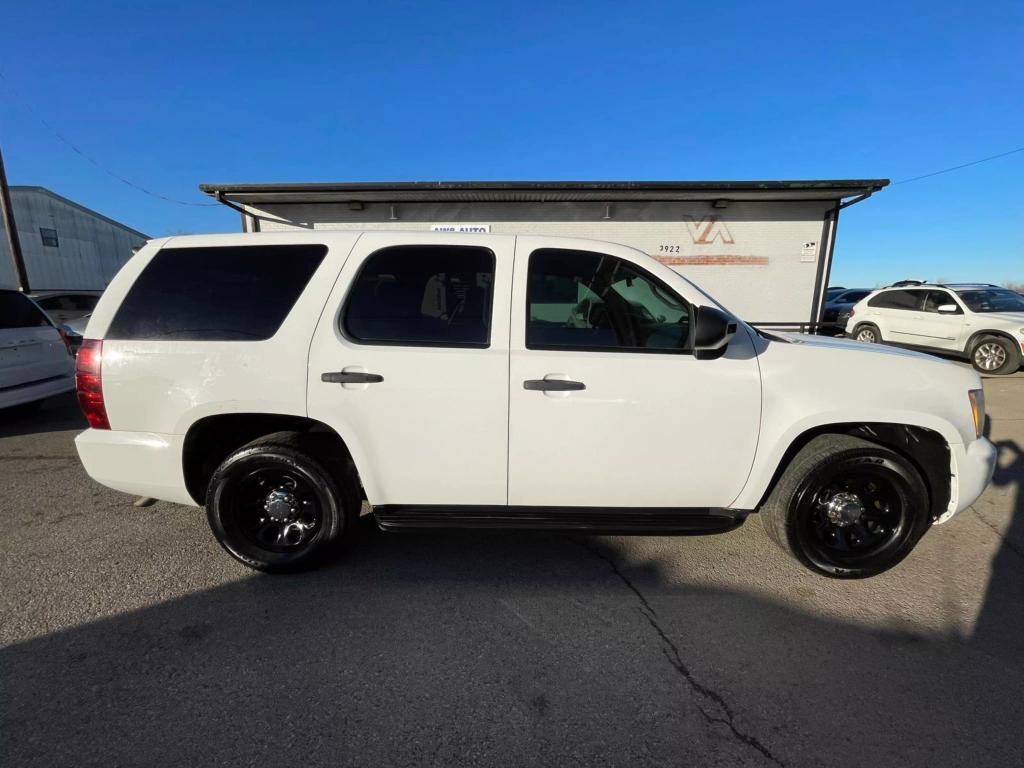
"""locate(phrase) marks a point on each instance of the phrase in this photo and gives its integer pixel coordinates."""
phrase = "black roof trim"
(681, 186)
(523, 191)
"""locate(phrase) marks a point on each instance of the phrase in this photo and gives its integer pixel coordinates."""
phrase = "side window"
(16, 311)
(897, 300)
(583, 300)
(422, 295)
(226, 293)
(936, 299)
(84, 302)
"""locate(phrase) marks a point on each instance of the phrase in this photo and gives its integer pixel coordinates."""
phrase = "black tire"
(870, 333)
(847, 538)
(995, 355)
(279, 503)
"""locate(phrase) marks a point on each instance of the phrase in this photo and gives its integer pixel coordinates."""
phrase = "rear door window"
(438, 295)
(231, 293)
(16, 311)
(898, 300)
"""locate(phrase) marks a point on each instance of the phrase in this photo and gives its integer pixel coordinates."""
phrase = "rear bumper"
(972, 467)
(139, 463)
(18, 395)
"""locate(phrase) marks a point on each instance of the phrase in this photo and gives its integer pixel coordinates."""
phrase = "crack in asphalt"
(673, 656)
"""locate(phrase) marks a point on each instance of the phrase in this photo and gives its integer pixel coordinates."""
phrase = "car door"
(608, 406)
(935, 329)
(896, 312)
(409, 364)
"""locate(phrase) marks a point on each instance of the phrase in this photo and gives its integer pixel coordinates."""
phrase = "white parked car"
(35, 361)
(980, 322)
(64, 306)
(494, 381)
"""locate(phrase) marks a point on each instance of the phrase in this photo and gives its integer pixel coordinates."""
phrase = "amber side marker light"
(89, 383)
(977, 397)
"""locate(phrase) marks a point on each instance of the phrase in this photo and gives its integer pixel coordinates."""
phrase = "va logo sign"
(706, 230)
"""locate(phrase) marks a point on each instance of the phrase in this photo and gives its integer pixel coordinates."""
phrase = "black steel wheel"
(275, 506)
(848, 508)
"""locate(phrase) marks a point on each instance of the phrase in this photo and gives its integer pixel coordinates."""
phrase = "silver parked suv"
(977, 321)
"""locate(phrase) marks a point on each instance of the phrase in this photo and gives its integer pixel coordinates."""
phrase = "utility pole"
(7, 214)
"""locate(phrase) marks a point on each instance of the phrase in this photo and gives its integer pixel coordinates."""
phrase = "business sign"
(474, 229)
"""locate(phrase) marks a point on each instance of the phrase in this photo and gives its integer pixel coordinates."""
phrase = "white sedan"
(35, 360)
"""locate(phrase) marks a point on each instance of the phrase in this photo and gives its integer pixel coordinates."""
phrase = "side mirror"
(712, 332)
(947, 309)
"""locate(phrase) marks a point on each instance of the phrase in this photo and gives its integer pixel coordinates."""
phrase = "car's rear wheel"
(279, 503)
(867, 333)
(847, 508)
(995, 355)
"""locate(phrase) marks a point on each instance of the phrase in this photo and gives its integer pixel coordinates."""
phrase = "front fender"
(814, 384)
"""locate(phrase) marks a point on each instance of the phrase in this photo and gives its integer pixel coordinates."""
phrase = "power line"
(71, 145)
(958, 167)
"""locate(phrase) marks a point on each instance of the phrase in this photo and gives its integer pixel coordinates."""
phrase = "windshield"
(992, 300)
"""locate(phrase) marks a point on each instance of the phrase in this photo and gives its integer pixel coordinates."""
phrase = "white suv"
(980, 322)
(493, 381)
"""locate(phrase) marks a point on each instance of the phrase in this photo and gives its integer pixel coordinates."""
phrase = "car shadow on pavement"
(1006, 585)
(54, 414)
(463, 648)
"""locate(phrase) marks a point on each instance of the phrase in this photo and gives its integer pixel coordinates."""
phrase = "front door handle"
(553, 385)
(351, 377)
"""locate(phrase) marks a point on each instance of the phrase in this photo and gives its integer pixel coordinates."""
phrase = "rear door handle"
(553, 385)
(351, 377)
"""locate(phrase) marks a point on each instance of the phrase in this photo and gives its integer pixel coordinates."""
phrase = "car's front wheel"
(996, 355)
(280, 502)
(847, 508)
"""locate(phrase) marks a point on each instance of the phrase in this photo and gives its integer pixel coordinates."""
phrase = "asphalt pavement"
(129, 638)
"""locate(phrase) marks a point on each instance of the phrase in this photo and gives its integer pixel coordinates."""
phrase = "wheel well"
(211, 440)
(977, 336)
(926, 449)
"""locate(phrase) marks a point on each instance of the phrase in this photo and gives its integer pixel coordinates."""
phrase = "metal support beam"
(7, 214)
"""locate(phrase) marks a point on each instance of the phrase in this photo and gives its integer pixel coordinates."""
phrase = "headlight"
(977, 397)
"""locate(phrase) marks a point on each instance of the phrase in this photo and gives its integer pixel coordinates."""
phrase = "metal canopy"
(540, 191)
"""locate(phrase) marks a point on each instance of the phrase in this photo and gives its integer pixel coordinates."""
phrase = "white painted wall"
(750, 256)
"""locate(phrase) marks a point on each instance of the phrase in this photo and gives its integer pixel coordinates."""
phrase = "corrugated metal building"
(66, 246)
(763, 248)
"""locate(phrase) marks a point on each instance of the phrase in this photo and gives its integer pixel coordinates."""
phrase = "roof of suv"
(903, 284)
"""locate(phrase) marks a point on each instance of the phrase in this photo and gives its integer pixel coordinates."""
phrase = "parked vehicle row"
(454, 380)
(976, 321)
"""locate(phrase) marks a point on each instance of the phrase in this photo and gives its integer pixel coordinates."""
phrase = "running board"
(625, 520)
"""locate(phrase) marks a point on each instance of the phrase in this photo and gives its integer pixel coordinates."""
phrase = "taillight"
(89, 381)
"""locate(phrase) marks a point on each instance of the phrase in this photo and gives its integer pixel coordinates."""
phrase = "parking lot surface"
(129, 638)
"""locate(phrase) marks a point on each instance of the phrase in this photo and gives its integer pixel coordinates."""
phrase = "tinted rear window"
(897, 300)
(423, 295)
(237, 293)
(18, 312)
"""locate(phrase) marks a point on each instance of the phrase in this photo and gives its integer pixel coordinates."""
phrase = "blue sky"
(170, 95)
